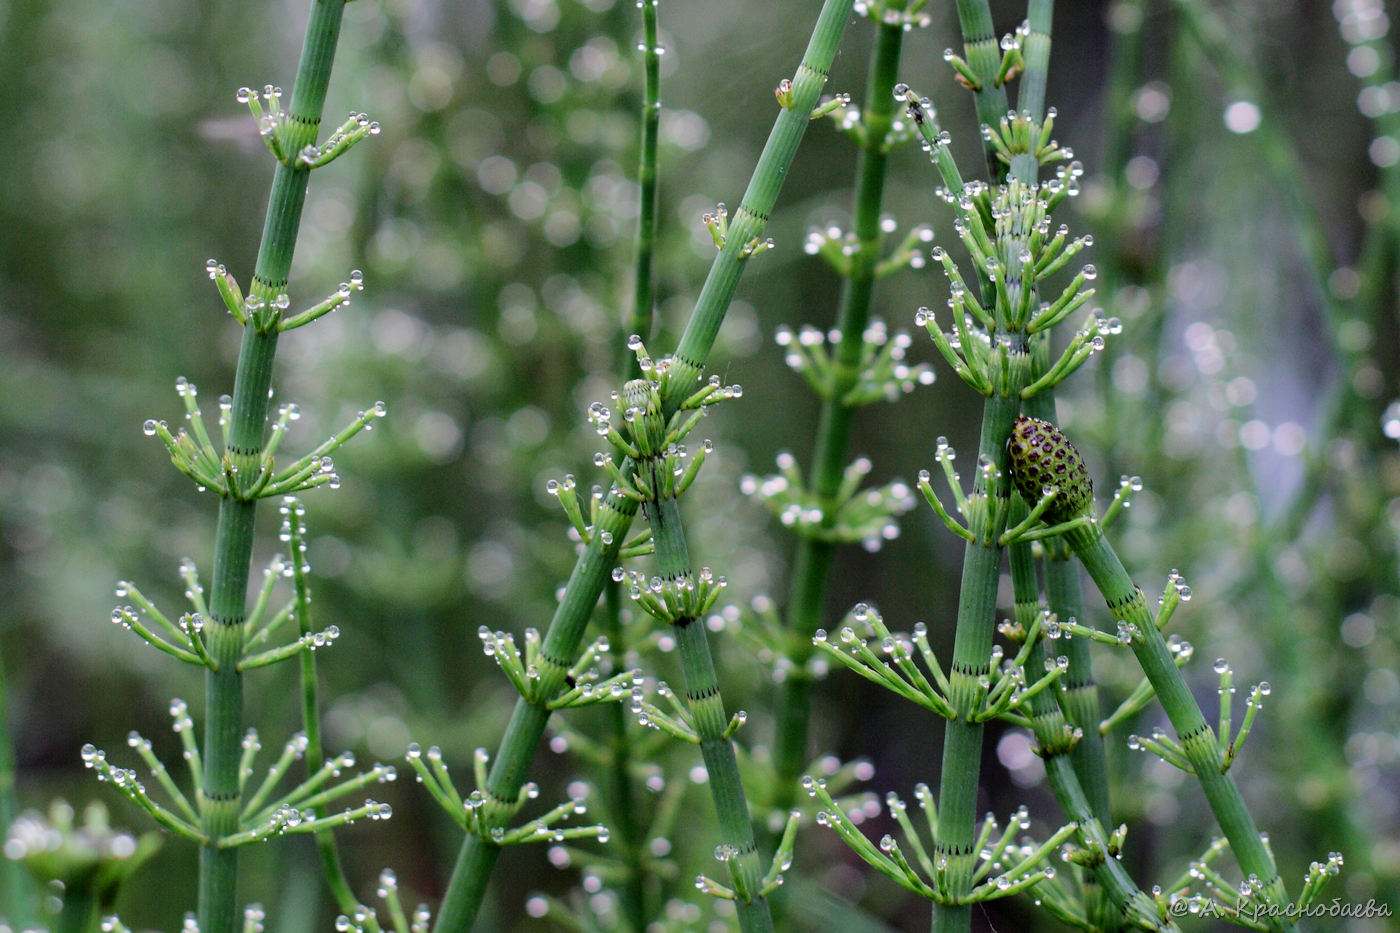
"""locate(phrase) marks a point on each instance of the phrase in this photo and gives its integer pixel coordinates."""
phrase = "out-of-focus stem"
(812, 560)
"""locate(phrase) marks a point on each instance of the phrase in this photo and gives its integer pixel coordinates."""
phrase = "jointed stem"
(1110, 895)
(1197, 738)
(972, 649)
(469, 877)
(813, 558)
(218, 875)
(1080, 698)
(984, 58)
(703, 699)
(972, 643)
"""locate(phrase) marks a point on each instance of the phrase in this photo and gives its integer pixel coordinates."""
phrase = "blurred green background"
(1255, 273)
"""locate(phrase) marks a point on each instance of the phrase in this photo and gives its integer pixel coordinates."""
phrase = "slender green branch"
(626, 819)
(1110, 895)
(295, 528)
(812, 560)
(219, 801)
(1197, 739)
(477, 857)
(706, 708)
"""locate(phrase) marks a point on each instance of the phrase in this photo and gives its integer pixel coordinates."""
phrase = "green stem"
(219, 802)
(759, 198)
(812, 561)
(1080, 697)
(972, 650)
(706, 706)
(625, 818)
(1197, 738)
(644, 288)
(1110, 895)
(622, 801)
(1035, 49)
(983, 54)
(467, 886)
(972, 640)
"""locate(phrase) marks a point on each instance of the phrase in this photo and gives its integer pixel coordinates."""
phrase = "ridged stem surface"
(220, 800)
(983, 54)
(972, 640)
(972, 650)
(706, 706)
(1079, 700)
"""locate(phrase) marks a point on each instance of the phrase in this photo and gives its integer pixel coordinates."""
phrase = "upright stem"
(972, 640)
(972, 650)
(812, 559)
(311, 713)
(594, 567)
(220, 796)
(983, 54)
(1197, 738)
(638, 320)
(643, 292)
(1080, 697)
(706, 706)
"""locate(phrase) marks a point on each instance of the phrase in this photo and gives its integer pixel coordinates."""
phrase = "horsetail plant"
(865, 364)
(620, 755)
(226, 808)
(1007, 231)
(1107, 897)
(738, 241)
(1016, 154)
(681, 597)
(1046, 467)
(1079, 698)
